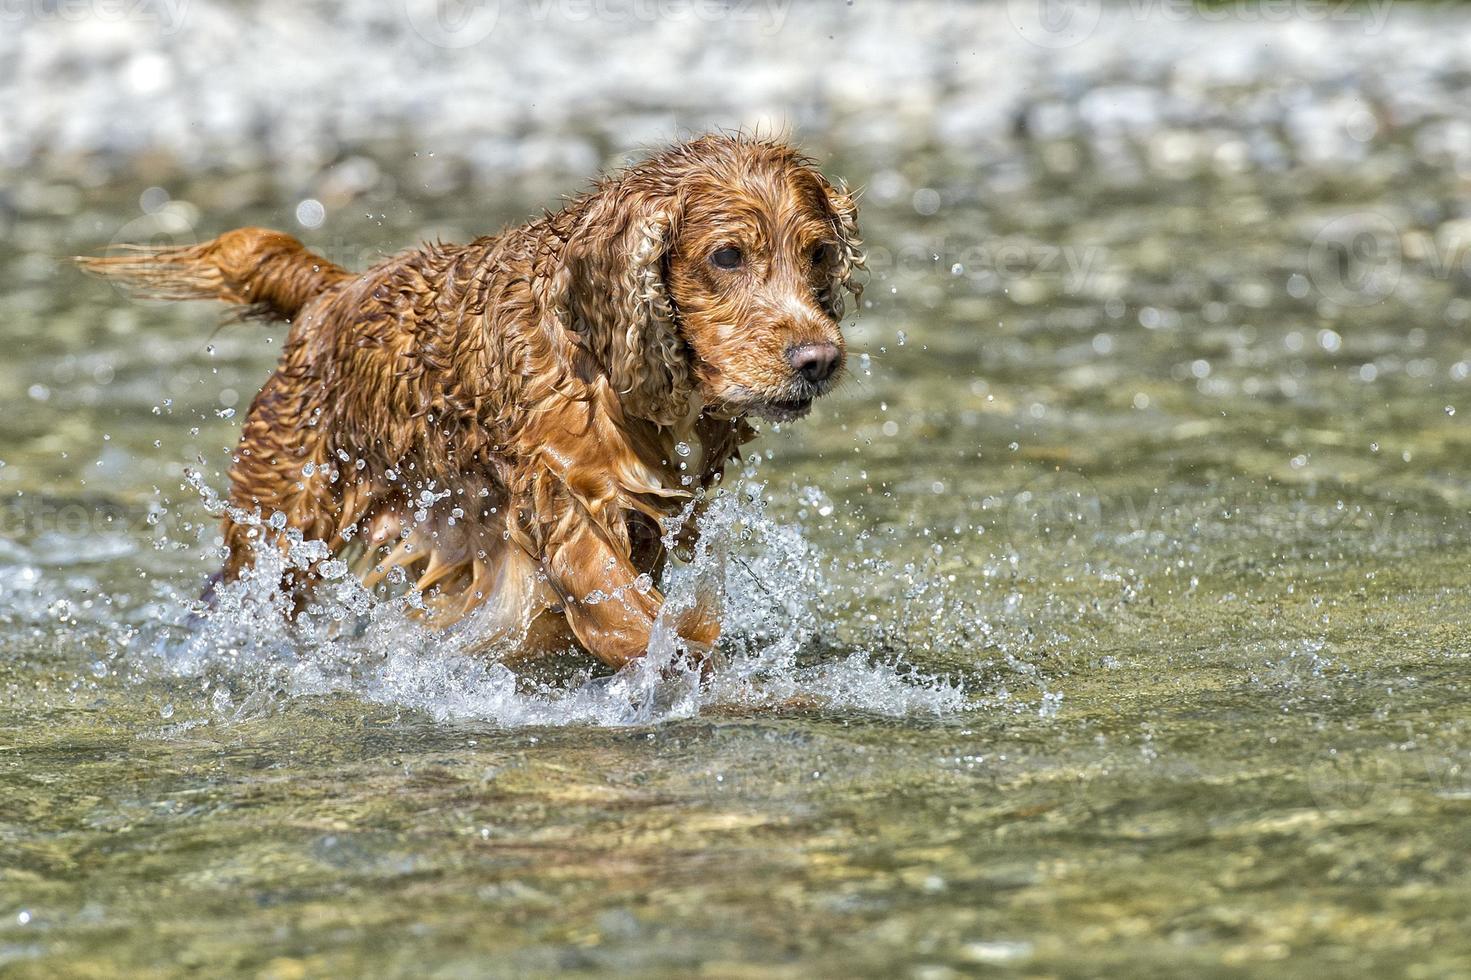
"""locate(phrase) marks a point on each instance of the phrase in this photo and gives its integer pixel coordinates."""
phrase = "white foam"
(247, 651)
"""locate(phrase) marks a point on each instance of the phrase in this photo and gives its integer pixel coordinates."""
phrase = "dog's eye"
(821, 254)
(728, 257)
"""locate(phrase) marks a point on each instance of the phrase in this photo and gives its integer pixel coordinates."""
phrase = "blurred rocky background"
(450, 94)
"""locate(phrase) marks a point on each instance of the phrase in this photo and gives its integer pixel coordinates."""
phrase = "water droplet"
(926, 201)
(310, 213)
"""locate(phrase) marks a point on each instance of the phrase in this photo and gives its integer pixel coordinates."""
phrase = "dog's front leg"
(610, 610)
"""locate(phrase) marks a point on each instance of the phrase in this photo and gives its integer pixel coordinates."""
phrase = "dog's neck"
(690, 454)
(676, 451)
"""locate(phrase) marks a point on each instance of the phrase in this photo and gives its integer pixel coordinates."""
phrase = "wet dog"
(525, 424)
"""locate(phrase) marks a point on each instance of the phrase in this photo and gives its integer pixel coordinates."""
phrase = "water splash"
(247, 652)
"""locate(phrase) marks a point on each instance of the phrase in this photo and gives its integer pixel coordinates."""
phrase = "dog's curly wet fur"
(503, 420)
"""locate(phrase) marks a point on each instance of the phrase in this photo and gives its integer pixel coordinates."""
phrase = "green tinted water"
(1174, 494)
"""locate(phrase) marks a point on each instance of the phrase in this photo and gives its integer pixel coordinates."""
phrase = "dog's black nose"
(815, 362)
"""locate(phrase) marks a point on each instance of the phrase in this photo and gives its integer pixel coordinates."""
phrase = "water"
(1109, 619)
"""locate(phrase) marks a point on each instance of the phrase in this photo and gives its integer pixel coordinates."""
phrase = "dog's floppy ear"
(620, 308)
(843, 212)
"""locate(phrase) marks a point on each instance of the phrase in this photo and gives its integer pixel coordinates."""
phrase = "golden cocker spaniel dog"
(524, 423)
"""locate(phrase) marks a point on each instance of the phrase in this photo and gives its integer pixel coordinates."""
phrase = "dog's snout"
(815, 362)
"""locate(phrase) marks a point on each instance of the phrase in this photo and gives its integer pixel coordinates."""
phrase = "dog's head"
(725, 280)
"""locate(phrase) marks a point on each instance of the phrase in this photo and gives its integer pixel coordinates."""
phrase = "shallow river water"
(1109, 619)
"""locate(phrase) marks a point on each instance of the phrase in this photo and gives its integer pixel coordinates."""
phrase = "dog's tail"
(268, 272)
